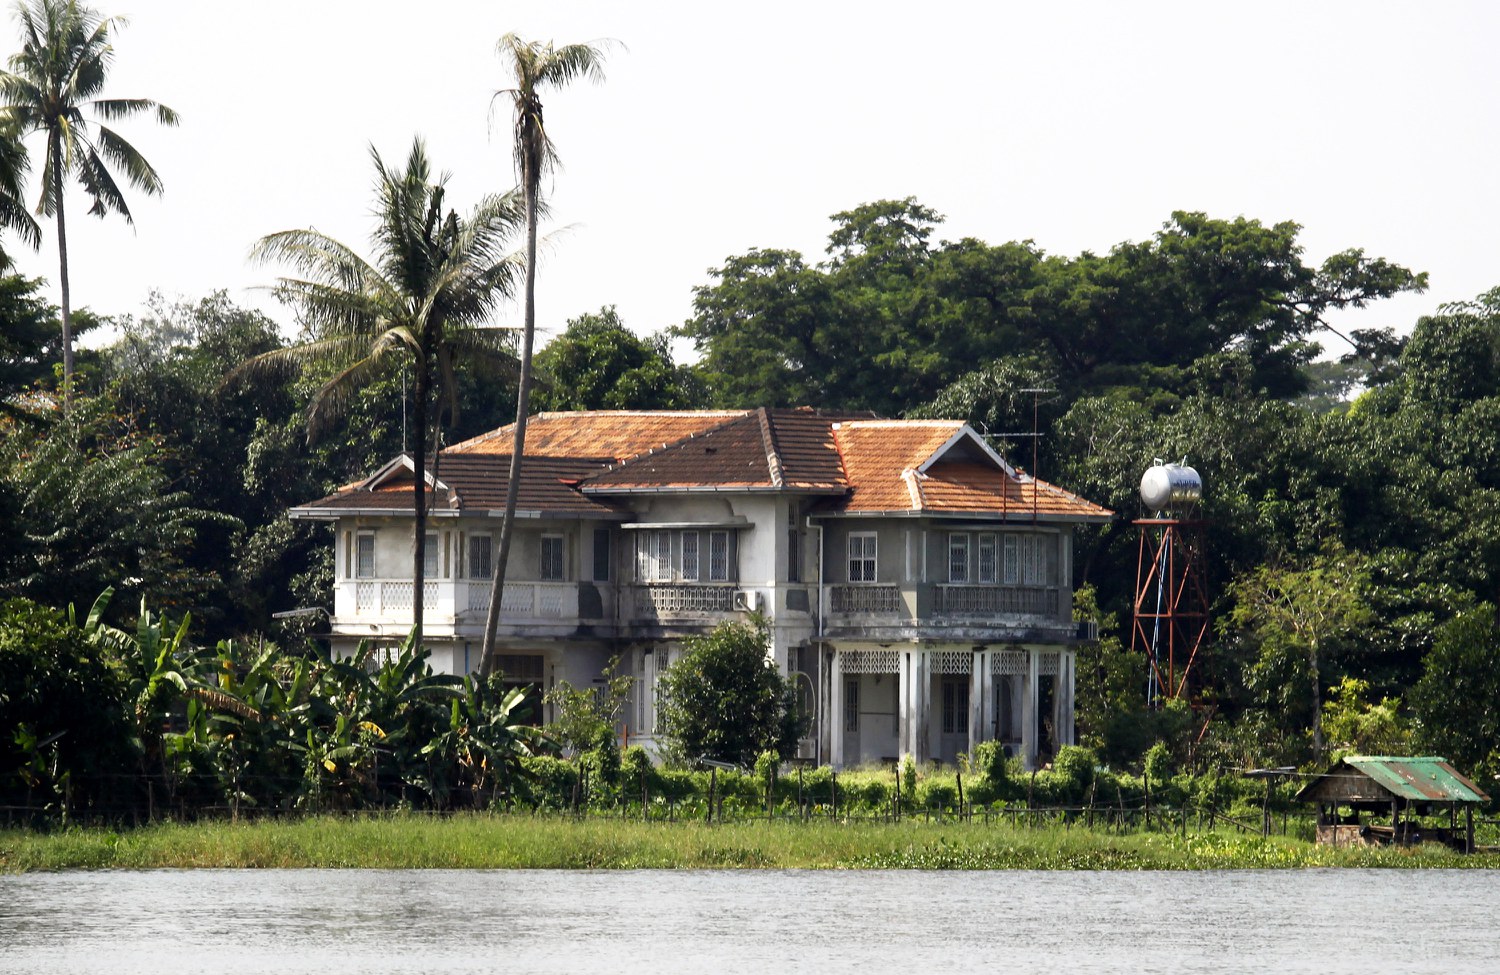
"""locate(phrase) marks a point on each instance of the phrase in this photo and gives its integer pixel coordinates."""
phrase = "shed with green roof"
(1408, 788)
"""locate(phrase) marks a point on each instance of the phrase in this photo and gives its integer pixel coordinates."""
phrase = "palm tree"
(536, 66)
(434, 281)
(61, 67)
(13, 169)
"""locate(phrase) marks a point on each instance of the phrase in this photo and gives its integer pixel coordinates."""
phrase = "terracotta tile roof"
(576, 461)
(876, 452)
(605, 434)
(477, 483)
(883, 459)
(760, 450)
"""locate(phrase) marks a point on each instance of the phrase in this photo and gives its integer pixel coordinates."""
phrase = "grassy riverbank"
(503, 841)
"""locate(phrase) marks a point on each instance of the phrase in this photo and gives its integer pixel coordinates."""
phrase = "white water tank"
(1170, 486)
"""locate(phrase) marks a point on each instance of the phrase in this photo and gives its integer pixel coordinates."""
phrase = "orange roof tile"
(605, 434)
(876, 452)
(764, 449)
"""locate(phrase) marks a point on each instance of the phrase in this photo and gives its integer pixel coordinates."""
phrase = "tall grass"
(519, 841)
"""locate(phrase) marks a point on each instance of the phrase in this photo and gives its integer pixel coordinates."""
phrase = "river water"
(657, 922)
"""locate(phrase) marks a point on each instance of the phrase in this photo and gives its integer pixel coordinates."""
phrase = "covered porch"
(933, 703)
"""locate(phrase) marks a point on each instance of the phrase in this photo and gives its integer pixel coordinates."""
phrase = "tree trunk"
(62, 276)
(1317, 702)
(419, 502)
(518, 446)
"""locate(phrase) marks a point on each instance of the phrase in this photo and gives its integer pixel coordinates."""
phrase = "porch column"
(913, 701)
(836, 710)
(980, 699)
(1062, 719)
(903, 704)
(1029, 702)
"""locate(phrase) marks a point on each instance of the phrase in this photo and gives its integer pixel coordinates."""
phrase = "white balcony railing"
(390, 600)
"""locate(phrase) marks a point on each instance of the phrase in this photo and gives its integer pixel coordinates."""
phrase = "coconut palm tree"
(64, 58)
(422, 301)
(13, 169)
(536, 66)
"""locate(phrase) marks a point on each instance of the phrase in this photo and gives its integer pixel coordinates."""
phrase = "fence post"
(713, 782)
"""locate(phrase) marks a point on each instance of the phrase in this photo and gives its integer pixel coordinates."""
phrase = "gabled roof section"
(610, 435)
(476, 484)
(400, 470)
(763, 450)
(942, 467)
(966, 446)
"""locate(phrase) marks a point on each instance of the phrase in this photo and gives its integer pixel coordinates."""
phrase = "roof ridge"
(768, 440)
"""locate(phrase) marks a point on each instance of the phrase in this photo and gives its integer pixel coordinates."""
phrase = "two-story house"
(916, 585)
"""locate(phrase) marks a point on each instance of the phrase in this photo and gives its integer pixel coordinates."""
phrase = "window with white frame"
(958, 557)
(678, 556)
(862, 548)
(718, 556)
(430, 555)
(1012, 560)
(851, 703)
(481, 559)
(554, 566)
(364, 555)
(986, 567)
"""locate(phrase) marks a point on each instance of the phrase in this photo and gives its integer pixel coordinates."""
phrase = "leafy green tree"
(1457, 701)
(724, 699)
(1356, 725)
(599, 364)
(764, 332)
(1296, 612)
(66, 52)
(421, 302)
(536, 66)
(91, 507)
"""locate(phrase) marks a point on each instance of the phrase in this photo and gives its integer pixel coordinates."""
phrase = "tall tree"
(434, 281)
(62, 65)
(536, 66)
(599, 364)
(1302, 610)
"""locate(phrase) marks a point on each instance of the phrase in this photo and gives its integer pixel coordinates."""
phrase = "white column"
(1063, 722)
(979, 698)
(1028, 710)
(922, 681)
(904, 703)
(836, 710)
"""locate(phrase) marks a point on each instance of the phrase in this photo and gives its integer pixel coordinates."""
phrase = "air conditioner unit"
(748, 601)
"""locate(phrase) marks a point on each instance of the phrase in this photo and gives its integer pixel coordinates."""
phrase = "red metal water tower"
(1171, 588)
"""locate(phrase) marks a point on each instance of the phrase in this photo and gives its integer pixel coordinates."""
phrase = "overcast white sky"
(730, 126)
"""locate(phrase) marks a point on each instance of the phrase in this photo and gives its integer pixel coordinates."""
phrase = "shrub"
(1074, 767)
(1158, 763)
(990, 762)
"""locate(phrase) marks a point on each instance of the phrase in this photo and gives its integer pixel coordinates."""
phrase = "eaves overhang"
(1014, 516)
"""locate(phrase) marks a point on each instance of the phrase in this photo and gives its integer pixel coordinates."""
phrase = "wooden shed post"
(1469, 827)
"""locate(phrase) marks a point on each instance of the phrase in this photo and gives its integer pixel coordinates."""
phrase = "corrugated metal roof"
(1417, 779)
(1420, 778)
